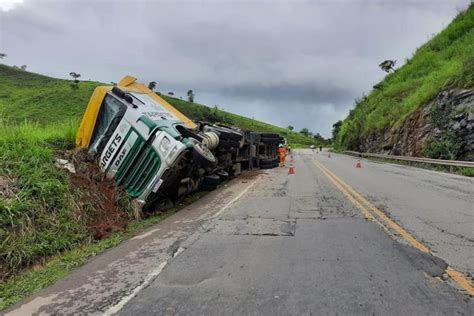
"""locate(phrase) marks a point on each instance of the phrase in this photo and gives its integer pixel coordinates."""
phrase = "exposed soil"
(250, 174)
(97, 196)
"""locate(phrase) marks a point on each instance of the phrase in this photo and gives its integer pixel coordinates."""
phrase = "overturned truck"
(156, 153)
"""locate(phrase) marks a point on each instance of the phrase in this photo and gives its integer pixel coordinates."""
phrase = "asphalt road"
(279, 244)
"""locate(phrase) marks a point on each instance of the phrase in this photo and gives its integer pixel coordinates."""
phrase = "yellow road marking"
(365, 212)
(397, 228)
(363, 204)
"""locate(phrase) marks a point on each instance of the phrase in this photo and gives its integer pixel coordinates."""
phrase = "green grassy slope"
(201, 112)
(36, 98)
(447, 60)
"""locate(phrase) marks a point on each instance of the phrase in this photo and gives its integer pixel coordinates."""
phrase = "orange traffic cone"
(358, 165)
(292, 168)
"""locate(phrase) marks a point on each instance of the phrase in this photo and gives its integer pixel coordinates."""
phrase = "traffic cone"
(292, 168)
(358, 165)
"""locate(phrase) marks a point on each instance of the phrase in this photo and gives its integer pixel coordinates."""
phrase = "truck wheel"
(267, 163)
(211, 180)
(202, 155)
(208, 187)
(223, 175)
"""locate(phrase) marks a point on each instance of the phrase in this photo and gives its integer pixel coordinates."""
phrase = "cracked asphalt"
(284, 244)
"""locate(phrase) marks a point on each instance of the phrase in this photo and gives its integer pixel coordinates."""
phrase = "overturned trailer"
(158, 154)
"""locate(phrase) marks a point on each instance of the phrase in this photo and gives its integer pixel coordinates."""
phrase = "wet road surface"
(282, 244)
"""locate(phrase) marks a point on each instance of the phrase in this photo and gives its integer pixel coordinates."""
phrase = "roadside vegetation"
(44, 100)
(50, 220)
(444, 62)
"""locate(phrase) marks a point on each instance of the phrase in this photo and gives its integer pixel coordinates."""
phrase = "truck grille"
(141, 172)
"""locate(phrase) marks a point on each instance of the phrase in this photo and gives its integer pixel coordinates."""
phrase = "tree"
(171, 93)
(152, 85)
(75, 76)
(387, 65)
(290, 127)
(23, 67)
(2, 55)
(190, 95)
(305, 131)
(336, 127)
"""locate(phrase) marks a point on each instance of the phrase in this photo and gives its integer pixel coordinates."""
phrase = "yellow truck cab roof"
(128, 83)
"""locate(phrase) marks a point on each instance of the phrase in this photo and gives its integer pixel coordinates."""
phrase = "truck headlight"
(165, 144)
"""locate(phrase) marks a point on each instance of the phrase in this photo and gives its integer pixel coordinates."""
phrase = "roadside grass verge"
(30, 281)
(37, 207)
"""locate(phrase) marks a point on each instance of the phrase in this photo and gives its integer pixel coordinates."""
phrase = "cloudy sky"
(297, 63)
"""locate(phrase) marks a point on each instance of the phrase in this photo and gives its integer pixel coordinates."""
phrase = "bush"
(447, 146)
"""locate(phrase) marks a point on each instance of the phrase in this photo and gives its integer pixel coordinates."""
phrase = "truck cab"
(137, 137)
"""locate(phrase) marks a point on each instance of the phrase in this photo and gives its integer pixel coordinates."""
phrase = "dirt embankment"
(104, 207)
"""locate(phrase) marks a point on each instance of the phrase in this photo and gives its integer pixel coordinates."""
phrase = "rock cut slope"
(424, 108)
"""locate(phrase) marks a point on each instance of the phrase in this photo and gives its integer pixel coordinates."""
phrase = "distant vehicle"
(156, 153)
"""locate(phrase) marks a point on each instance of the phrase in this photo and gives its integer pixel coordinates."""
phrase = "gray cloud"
(298, 63)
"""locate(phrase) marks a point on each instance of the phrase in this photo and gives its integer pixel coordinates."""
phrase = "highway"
(383, 239)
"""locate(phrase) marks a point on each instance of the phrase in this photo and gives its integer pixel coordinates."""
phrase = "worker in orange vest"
(282, 154)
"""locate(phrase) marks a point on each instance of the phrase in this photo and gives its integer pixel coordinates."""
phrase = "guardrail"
(453, 163)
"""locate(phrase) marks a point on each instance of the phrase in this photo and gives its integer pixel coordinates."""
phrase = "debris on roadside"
(65, 164)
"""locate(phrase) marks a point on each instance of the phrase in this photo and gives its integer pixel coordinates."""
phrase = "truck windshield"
(111, 109)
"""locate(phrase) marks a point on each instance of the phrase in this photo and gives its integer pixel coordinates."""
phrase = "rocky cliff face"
(452, 111)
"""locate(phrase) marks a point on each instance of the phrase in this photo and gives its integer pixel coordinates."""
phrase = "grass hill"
(446, 61)
(45, 100)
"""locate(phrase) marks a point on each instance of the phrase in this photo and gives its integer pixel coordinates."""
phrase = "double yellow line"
(371, 212)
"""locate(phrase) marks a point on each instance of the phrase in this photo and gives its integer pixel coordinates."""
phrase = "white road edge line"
(144, 235)
(150, 277)
(117, 307)
(235, 199)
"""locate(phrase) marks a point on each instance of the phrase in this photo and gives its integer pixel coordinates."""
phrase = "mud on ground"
(104, 207)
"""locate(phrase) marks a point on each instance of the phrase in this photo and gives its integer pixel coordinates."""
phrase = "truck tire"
(208, 187)
(267, 163)
(211, 180)
(202, 155)
(223, 175)
(276, 162)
